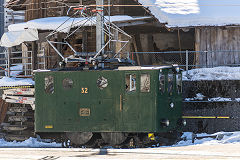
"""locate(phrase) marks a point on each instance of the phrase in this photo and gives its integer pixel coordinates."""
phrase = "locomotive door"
(130, 101)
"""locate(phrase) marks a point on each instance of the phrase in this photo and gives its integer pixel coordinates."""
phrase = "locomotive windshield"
(49, 85)
(179, 83)
(162, 83)
(170, 83)
(130, 82)
(145, 83)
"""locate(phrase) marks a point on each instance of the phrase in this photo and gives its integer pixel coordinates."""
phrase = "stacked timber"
(17, 113)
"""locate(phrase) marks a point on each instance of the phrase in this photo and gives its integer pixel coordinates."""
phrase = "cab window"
(170, 83)
(67, 83)
(130, 80)
(145, 83)
(161, 83)
(49, 84)
(179, 83)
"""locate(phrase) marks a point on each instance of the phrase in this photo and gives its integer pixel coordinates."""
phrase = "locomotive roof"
(122, 68)
(142, 68)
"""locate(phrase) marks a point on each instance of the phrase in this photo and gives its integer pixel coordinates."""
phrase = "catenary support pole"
(99, 25)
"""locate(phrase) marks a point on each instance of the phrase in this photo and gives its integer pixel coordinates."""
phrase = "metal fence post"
(128, 55)
(8, 61)
(187, 61)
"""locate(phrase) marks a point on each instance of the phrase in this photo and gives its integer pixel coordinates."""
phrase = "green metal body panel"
(87, 108)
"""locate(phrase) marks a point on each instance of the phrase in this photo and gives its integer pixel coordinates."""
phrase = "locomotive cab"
(109, 106)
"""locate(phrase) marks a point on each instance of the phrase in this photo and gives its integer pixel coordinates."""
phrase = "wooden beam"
(34, 55)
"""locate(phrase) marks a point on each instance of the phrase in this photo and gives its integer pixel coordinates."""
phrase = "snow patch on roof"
(6, 81)
(190, 13)
(64, 24)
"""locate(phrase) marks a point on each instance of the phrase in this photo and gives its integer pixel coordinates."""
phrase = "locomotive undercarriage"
(112, 139)
(19, 126)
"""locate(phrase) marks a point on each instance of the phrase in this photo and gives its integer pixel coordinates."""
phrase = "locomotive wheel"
(114, 138)
(79, 138)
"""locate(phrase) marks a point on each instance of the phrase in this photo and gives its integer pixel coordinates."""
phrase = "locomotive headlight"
(177, 69)
(165, 122)
(171, 105)
(184, 122)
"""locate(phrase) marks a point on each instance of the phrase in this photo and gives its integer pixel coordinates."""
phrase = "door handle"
(121, 107)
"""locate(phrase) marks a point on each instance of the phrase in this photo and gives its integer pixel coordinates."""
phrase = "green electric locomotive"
(131, 105)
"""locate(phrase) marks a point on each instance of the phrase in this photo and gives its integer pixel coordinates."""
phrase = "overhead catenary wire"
(65, 5)
(121, 5)
(36, 3)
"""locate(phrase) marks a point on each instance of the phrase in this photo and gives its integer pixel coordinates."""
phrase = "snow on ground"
(221, 138)
(200, 97)
(185, 13)
(216, 73)
(6, 81)
(15, 70)
(30, 143)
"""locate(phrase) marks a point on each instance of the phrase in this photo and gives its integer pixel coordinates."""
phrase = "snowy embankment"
(216, 73)
(188, 138)
(201, 97)
(30, 143)
(209, 139)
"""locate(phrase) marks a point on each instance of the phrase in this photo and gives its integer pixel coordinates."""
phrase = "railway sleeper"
(15, 127)
(17, 137)
(18, 109)
(17, 119)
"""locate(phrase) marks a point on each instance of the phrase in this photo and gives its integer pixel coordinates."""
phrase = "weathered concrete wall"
(212, 89)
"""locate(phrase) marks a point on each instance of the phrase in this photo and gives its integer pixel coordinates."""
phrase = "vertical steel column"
(99, 25)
